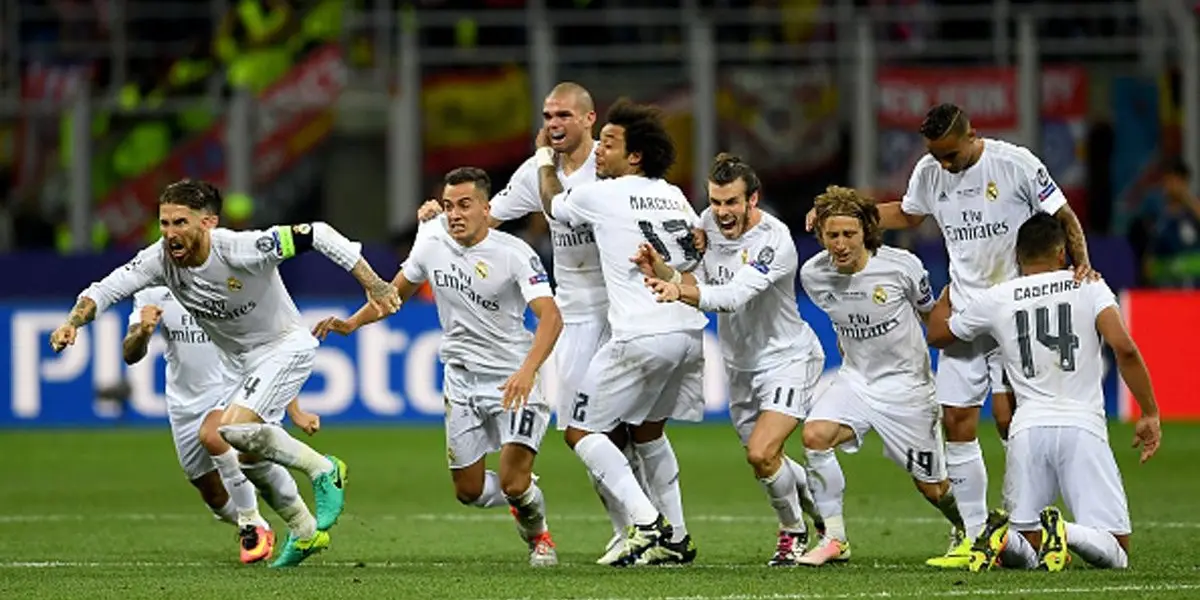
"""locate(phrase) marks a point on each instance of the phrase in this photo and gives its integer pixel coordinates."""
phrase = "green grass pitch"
(107, 514)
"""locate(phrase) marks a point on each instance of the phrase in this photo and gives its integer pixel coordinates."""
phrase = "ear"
(634, 158)
(209, 221)
(753, 200)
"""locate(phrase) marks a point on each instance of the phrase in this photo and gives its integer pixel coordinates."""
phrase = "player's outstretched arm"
(550, 324)
(1148, 431)
(368, 313)
(652, 265)
(142, 272)
(137, 338)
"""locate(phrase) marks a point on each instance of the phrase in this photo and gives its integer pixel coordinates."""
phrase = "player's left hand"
(543, 138)
(664, 291)
(516, 389)
(429, 210)
(1086, 272)
(1147, 434)
(700, 240)
(646, 259)
(306, 421)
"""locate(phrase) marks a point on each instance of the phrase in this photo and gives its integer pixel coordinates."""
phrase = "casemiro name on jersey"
(1045, 289)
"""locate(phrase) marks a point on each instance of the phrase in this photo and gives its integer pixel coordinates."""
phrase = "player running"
(876, 297)
(772, 358)
(1049, 327)
(229, 281)
(482, 281)
(569, 115)
(651, 367)
(979, 190)
(196, 379)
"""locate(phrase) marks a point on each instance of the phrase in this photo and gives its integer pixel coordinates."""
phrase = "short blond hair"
(838, 201)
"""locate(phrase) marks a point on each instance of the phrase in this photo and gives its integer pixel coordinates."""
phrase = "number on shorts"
(250, 385)
(525, 427)
(673, 226)
(791, 394)
(1065, 343)
(922, 459)
(579, 412)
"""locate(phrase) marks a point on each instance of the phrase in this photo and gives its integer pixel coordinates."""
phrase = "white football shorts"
(786, 389)
(476, 422)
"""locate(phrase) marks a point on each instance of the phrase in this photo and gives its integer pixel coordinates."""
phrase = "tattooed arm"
(143, 271)
(1076, 242)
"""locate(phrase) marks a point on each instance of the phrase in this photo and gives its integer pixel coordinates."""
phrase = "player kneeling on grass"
(482, 280)
(196, 379)
(875, 296)
(772, 358)
(1049, 327)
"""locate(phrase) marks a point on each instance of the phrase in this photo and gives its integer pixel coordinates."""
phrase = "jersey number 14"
(1065, 343)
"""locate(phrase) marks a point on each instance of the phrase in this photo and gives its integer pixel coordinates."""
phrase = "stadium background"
(349, 111)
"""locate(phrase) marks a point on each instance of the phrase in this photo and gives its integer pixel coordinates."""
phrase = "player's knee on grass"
(516, 469)
(1123, 542)
(212, 490)
(961, 423)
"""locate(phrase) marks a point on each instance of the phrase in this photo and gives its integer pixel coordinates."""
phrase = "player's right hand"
(810, 219)
(1147, 434)
(333, 324)
(384, 297)
(429, 210)
(543, 138)
(664, 291)
(151, 314)
(62, 337)
(646, 259)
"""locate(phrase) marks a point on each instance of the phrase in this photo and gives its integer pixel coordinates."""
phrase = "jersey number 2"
(673, 226)
(1065, 343)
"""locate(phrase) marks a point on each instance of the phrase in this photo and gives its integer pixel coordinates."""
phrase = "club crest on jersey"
(745, 256)
(481, 269)
(992, 191)
(879, 295)
(233, 284)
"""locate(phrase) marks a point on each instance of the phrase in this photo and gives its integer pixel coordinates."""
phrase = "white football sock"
(785, 499)
(662, 474)
(300, 520)
(491, 497)
(241, 491)
(275, 482)
(276, 445)
(610, 468)
(800, 476)
(531, 511)
(1098, 548)
(969, 480)
(616, 514)
(227, 513)
(1018, 553)
(828, 485)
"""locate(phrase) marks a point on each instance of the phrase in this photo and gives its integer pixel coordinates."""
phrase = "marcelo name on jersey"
(459, 280)
(974, 227)
(652, 203)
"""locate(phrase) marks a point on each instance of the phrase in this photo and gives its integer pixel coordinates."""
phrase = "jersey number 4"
(672, 227)
(1065, 343)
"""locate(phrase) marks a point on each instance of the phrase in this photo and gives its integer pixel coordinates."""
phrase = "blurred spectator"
(1168, 240)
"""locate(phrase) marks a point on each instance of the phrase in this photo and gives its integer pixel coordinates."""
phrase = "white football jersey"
(580, 295)
(237, 295)
(481, 293)
(196, 376)
(980, 210)
(757, 273)
(1046, 327)
(876, 314)
(624, 212)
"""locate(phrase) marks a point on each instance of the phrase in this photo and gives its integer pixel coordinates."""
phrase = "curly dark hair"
(645, 134)
(194, 194)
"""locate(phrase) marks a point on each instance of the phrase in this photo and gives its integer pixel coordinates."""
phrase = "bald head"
(568, 116)
(581, 98)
